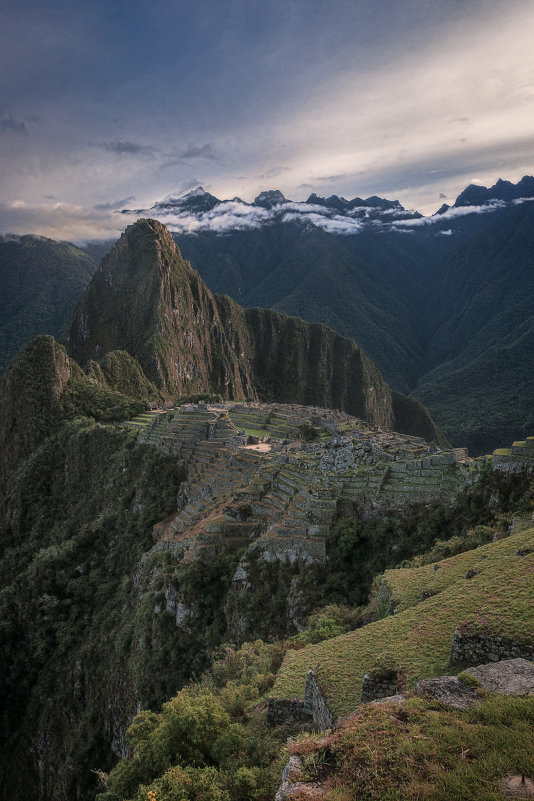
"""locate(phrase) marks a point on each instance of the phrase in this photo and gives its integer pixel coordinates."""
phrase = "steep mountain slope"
(440, 304)
(480, 363)
(363, 286)
(43, 386)
(421, 296)
(147, 300)
(41, 281)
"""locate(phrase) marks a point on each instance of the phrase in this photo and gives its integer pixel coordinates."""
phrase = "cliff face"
(145, 299)
(298, 362)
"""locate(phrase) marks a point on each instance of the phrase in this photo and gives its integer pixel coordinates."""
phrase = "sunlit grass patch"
(497, 602)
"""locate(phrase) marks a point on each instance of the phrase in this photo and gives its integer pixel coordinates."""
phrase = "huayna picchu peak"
(146, 300)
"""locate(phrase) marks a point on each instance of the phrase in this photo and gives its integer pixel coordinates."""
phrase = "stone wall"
(281, 709)
(476, 649)
(379, 684)
(313, 707)
(515, 459)
(315, 702)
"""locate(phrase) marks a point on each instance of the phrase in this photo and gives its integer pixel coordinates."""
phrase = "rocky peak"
(30, 395)
(332, 202)
(146, 300)
(476, 195)
(270, 198)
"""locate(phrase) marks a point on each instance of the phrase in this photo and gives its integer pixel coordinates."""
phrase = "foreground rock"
(510, 677)
(450, 691)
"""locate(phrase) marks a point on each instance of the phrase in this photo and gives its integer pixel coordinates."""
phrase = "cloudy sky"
(111, 104)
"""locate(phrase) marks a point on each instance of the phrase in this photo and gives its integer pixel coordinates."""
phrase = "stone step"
(289, 530)
(276, 500)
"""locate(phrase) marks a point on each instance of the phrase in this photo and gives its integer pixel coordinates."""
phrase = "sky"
(106, 105)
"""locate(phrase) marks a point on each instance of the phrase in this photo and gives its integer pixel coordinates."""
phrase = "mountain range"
(440, 304)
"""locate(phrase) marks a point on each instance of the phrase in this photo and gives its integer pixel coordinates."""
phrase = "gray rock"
(293, 771)
(509, 677)
(471, 574)
(448, 690)
(391, 699)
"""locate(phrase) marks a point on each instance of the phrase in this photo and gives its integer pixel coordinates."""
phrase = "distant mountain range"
(41, 281)
(441, 304)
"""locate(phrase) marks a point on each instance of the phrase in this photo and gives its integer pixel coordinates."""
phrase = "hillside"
(146, 300)
(440, 304)
(416, 641)
(129, 553)
(41, 282)
(483, 334)
(413, 746)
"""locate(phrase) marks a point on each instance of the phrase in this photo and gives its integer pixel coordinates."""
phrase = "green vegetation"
(408, 585)
(361, 547)
(443, 334)
(81, 511)
(41, 281)
(498, 602)
(190, 342)
(308, 432)
(423, 752)
(205, 744)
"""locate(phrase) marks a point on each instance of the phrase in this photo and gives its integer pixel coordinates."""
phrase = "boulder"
(509, 677)
(450, 691)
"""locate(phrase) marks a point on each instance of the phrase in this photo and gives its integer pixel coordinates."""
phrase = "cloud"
(125, 147)
(114, 205)
(9, 123)
(452, 213)
(206, 151)
(63, 221)
(333, 225)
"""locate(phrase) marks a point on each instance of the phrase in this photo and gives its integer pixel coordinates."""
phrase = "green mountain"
(478, 381)
(138, 556)
(41, 281)
(146, 300)
(441, 304)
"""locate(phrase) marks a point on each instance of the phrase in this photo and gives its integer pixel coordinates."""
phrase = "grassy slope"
(422, 752)
(497, 601)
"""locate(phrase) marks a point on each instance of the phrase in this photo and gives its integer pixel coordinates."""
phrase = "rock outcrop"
(509, 677)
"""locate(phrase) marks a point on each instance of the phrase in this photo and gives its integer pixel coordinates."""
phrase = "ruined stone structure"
(379, 684)
(473, 649)
(515, 459)
(285, 497)
(314, 707)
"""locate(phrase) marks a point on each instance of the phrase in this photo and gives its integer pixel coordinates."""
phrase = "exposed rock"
(146, 300)
(472, 573)
(448, 690)
(509, 677)
(517, 787)
(391, 699)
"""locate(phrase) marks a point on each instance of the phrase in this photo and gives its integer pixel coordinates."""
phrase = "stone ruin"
(284, 501)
